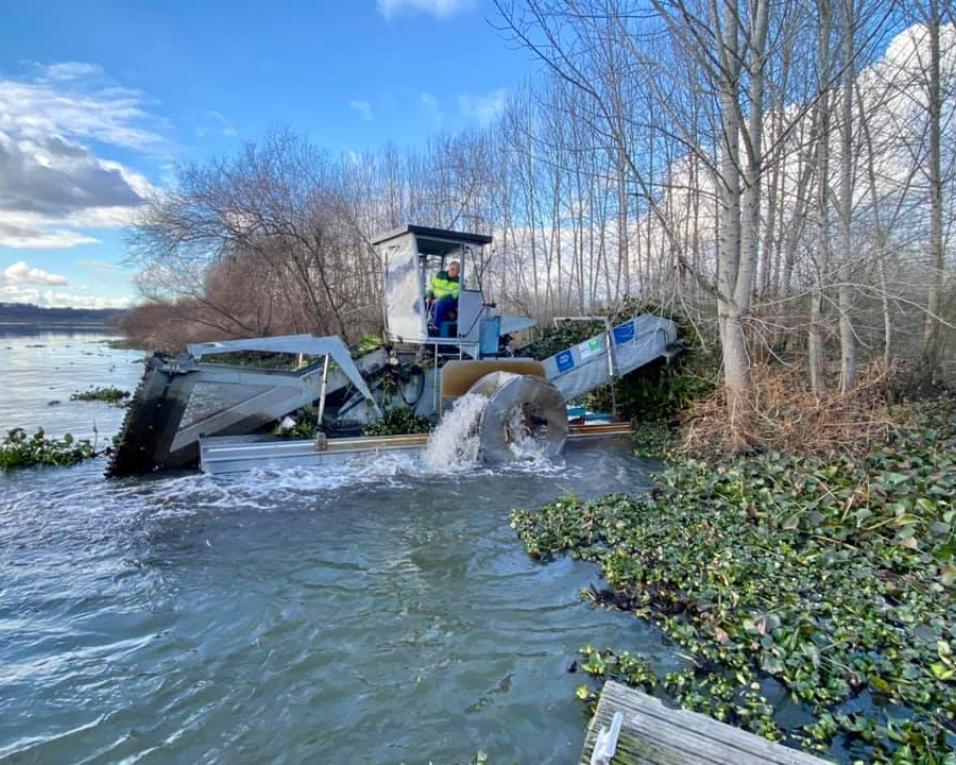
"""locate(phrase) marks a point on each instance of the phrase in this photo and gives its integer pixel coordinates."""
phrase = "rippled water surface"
(40, 370)
(378, 614)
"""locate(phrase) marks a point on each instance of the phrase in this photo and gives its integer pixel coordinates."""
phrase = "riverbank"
(823, 581)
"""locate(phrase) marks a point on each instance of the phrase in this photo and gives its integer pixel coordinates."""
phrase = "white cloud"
(82, 300)
(51, 180)
(353, 158)
(20, 273)
(364, 109)
(70, 70)
(483, 109)
(34, 238)
(98, 266)
(216, 122)
(432, 108)
(53, 299)
(39, 108)
(439, 8)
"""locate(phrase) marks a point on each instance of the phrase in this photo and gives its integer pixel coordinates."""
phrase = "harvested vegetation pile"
(398, 421)
(654, 395)
(305, 425)
(828, 578)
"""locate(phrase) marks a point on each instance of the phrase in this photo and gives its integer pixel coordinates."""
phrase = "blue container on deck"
(580, 415)
(488, 332)
(576, 412)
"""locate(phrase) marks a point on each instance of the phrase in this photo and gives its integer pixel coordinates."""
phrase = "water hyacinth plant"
(834, 580)
(107, 395)
(21, 450)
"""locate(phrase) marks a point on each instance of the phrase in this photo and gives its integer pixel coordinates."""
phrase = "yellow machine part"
(457, 377)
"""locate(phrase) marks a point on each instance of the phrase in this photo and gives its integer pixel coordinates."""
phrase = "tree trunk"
(822, 265)
(847, 336)
(931, 326)
(729, 311)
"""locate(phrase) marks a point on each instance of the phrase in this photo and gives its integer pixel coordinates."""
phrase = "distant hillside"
(26, 313)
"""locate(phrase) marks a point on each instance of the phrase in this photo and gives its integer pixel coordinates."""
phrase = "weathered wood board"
(653, 734)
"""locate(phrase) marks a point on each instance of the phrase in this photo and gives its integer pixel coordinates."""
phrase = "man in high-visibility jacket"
(443, 293)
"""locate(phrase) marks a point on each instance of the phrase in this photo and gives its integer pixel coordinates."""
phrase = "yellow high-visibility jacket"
(444, 286)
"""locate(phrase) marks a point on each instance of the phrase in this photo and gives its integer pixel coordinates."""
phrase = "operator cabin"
(431, 281)
(432, 285)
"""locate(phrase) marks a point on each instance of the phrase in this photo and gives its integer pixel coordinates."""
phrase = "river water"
(39, 370)
(377, 614)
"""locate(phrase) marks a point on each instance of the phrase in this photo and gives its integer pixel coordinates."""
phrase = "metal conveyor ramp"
(610, 354)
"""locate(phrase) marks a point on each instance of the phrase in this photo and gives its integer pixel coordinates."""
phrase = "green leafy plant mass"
(107, 395)
(18, 449)
(833, 578)
(398, 421)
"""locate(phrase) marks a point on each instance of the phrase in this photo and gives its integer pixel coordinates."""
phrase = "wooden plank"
(600, 429)
(654, 734)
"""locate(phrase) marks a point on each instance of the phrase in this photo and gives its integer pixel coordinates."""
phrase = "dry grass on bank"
(783, 414)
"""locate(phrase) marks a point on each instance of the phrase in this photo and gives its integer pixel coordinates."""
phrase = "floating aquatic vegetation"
(21, 450)
(653, 439)
(107, 395)
(835, 578)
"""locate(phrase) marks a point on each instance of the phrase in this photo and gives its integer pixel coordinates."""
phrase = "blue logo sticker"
(624, 333)
(564, 360)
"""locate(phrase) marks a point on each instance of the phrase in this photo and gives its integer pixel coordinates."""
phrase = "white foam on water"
(453, 445)
(452, 450)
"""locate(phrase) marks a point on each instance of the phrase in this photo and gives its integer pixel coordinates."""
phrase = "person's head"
(453, 269)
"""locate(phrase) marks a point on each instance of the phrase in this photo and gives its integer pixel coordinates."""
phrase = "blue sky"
(99, 100)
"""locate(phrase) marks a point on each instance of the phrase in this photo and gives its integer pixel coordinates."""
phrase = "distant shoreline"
(54, 322)
(22, 315)
(58, 325)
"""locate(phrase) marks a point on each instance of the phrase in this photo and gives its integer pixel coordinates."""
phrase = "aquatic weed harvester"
(210, 405)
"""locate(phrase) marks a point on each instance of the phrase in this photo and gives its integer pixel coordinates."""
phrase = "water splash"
(453, 445)
(520, 440)
(522, 443)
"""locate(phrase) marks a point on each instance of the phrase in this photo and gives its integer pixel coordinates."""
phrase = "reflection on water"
(380, 614)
